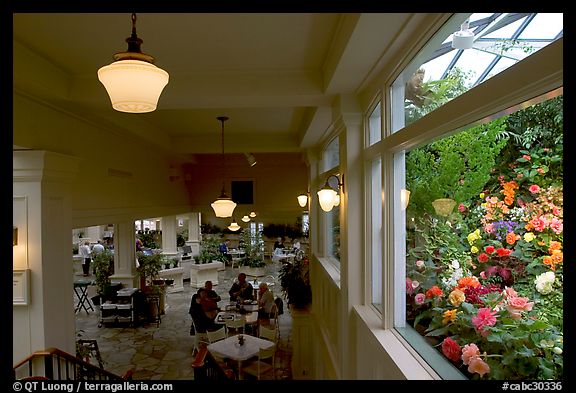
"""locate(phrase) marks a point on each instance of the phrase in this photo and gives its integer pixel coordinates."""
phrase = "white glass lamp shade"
(223, 207)
(245, 218)
(404, 198)
(302, 200)
(252, 214)
(134, 86)
(326, 198)
(234, 226)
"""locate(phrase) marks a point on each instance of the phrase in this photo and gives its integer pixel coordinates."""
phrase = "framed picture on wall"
(20, 287)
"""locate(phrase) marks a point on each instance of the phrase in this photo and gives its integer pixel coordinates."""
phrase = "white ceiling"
(274, 74)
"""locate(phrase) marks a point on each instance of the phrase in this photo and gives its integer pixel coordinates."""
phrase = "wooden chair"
(264, 364)
(217, 335)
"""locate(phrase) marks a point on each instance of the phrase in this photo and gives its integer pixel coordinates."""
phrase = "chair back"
(267, 333)
(217, 335)
(235, 326)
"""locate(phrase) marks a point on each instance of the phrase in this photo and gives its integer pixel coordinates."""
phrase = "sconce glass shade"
(302, 200)
(252, 214)
(223, 206)
(404, 198)
(245, 218)
(326, 198)
(234, 226)
(134, 86)
(336, 200)
(464, 38)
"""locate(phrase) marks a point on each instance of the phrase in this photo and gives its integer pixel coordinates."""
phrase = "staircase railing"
(55, 364)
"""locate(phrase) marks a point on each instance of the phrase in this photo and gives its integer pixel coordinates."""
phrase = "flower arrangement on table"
(486, 284)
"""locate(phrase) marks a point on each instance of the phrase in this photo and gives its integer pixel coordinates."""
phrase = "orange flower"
(554, 246)
(511, 238)
(468, 281)
(434, 292)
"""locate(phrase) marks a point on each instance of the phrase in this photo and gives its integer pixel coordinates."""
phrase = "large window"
(472, 230)
(331, 218)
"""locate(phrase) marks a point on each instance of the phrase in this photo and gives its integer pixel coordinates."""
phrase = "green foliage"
(149, 239)
(209, 249)
(181, 238)
(457, 167)
(103, 264)
(150, 265)
(295, 283)
(253, 246)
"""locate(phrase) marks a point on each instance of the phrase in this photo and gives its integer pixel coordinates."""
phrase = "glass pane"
(440, 73)
(376, 232)
(484, 246)
(333, 232)
(331, 157)
(375, 126)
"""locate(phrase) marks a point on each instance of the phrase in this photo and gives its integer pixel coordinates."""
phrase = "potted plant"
(295, 283)
(148, 268)
(103, 264)
(253, 259)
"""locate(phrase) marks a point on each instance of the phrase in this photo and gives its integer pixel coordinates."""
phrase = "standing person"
(224, 250)
(208, 305)
(241, 289)
(97, 248)
(84, 251)
(265, 301)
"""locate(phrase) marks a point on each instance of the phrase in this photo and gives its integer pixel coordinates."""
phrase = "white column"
(194, 232)
(42, 211)
(125, 255)
(169, 224)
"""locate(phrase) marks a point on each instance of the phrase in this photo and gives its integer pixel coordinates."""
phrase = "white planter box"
(176, 274)
(253, 271)
(201, 273)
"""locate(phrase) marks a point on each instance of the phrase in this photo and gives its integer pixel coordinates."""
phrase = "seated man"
(209, 306)
(265, 301)
(241, 289)
(202, 322)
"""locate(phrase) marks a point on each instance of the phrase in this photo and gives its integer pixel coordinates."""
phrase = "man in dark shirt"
(241, 289)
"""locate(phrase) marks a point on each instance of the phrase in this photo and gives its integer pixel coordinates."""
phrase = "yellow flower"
(529, 236)
(482, 195)
(456, 297)
(449, 316)
(474, 250)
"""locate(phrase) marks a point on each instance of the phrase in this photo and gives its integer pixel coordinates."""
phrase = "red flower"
(451, 349)
(489, 249)
(433, 292)
(503, 252)
(483, 258)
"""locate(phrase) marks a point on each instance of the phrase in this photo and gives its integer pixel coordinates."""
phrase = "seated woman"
(265, 301)
(202, 322)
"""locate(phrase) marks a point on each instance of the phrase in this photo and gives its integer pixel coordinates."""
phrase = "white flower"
(415, 284)
(455, 264)
(544, 282)
(557, 350)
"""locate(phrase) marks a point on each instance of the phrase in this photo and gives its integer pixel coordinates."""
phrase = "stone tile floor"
(164, 352)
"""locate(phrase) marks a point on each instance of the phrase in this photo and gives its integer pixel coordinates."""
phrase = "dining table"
(239, 348)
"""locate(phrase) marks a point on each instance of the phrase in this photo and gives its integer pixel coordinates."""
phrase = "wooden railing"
(55, 364)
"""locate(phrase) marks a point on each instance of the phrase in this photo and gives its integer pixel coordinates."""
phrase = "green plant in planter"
(295, 283)
(253, 249)
(150, 265)
(456, 167)
(209, 250)
(103, 264)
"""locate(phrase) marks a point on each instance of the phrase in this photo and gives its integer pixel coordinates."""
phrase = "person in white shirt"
(97, 248)
(265, 301)
(85, 252)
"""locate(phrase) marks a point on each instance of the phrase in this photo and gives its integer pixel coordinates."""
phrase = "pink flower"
(526, 157)
(409, 289)
(510, 292)
(419, 264)
(419, 298)
(485, 317)
(478, 366)
(483, 275)
(451, 349)
(461, 208)
(556, 225)
(534, 188)
(540, 171)
(517, 304)
(489, 228)
(470, 351)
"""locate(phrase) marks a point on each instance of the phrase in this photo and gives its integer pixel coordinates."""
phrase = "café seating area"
(166, 351)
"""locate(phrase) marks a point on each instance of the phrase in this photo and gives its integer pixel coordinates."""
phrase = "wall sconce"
(245, 218)
(234, 226)
(133, 83)
(404, 198)
(14, 236)
(303, 199)
(327, 196)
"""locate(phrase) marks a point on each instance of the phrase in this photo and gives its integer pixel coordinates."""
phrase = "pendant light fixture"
(133, 83)
(245, 218)
(234, 226)
(252, 214)
(223, 206)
